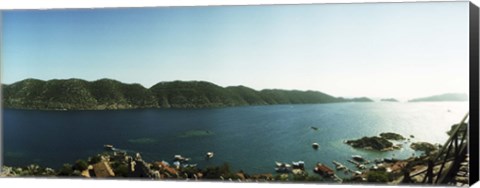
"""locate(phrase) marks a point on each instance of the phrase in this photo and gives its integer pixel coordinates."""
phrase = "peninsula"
(443, 97)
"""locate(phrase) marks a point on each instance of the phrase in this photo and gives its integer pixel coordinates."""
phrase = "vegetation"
(80, 165)
(95, 159)
(377, 176)
(77, 94)
(392, 136)
(219, 171)
(423, 146)
(120, 169)
(66, 170)
(443, 97)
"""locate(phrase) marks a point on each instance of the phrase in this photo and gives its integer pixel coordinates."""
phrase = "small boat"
(108, 147)
(278, 164)
(323, 170)
(189, 165)
(283, 170)
(390, 160)
(357, 164)
(283, 167)
(358, 158)
(315, 145)
(358, 173)
(298, 164)
(180, 158)
(209, 155)
(339, 166)
(314, 128)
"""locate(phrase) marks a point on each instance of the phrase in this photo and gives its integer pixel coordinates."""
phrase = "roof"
(103, 170)
(167, 168)
(324, 168)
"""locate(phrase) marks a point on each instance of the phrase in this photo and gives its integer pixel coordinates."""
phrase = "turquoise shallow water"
(248, 138)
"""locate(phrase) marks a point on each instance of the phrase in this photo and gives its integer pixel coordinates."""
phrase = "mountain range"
(78, 94)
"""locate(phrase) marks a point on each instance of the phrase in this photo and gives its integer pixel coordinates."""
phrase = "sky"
(377, 50)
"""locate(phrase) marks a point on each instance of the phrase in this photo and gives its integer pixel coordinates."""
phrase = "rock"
(392, 136)
(462, 129)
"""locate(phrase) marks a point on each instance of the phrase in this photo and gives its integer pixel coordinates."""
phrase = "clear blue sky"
(401, 50)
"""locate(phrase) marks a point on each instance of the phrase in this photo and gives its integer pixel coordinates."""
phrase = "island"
(443, 97)
(371, 143)
(389, 100)
(423, 146)
(78, 94)
(379, 143)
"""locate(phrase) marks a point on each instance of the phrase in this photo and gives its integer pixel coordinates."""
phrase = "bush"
(216, 172)
(121, 170)
(95, 160)
(377, 177)
(66, 170)
(80, 165)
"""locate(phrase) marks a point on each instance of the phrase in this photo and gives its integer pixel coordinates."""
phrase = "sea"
(249, 138)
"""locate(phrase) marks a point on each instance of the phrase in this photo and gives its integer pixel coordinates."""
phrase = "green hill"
(76, 94)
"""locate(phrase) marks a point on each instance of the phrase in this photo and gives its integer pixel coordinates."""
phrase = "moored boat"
(358, 158)
(298, 165)
(108, 147)
(315, 145)
(180, 158)
(283, 167)
(323, 170)
(339, 166)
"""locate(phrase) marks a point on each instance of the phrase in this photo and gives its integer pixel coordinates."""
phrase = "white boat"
(315, 145)
(180, 158)
(108, 147)
(278, 164)
(283, 167)
(298, 163)
(209, 155)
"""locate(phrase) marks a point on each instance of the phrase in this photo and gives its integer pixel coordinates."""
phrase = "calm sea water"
(248, 138)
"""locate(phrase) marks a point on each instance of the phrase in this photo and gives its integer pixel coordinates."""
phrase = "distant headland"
(109, 94)
(443, 97)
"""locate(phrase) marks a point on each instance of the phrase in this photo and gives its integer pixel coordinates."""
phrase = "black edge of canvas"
(474, 94)
(1, 96)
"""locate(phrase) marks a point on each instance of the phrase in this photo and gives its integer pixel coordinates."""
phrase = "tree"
(80, 165)
(121, 170)
(95, 160)
(377, 177)
(66, 170)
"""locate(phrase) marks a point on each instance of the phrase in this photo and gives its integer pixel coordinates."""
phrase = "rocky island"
(372, 143)
(379, 143)
(389, 100)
